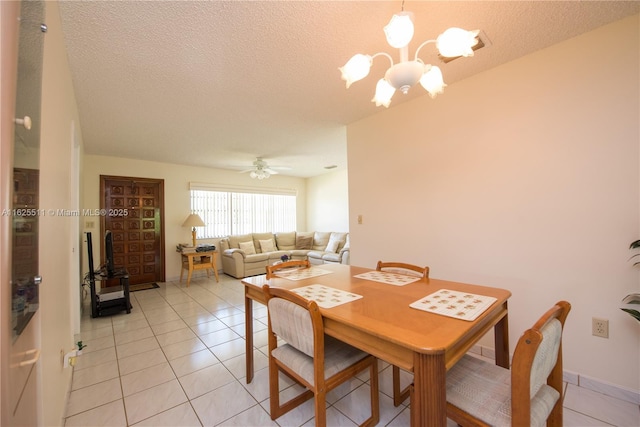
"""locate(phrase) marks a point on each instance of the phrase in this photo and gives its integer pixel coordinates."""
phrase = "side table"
(198, 261)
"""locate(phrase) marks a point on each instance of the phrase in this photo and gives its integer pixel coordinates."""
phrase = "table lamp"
(193, 221)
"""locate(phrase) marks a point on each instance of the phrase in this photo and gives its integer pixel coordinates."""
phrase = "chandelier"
(454, 42)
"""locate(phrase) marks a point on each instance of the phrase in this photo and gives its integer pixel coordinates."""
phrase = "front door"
(133, 210)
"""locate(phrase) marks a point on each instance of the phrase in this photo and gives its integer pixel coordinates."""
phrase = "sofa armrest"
(344, 256)
(233, 262)
(234, 252)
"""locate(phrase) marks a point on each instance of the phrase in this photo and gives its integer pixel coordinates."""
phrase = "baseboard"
(612, 390)
(593, 384)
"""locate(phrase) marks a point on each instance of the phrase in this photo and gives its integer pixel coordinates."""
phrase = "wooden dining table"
(382, 324)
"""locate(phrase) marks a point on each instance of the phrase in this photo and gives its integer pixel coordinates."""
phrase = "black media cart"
(111, 299)
(113, 296)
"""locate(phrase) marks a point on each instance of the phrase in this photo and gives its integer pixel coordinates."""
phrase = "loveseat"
(248, 254)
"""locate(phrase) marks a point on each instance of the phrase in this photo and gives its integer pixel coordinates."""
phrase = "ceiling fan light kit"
(261, 170)
(454, 42)
(259, 174)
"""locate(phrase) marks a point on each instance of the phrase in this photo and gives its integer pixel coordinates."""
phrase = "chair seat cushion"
(484, 390)
(337, 356)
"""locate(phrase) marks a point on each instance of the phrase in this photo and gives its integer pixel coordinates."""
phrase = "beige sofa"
(248, 254)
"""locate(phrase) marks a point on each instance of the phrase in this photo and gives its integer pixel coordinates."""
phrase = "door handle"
(26, 122)
(37, 280)
(34, 359)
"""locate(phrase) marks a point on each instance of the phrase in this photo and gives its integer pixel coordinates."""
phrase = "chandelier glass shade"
(454, 42)
(259, 174)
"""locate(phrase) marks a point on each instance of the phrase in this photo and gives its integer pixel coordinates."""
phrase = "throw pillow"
(248, 248)
(267, 246)
(304, 242)
(332, 246)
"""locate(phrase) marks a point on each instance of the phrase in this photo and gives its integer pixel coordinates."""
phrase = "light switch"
(359, 219)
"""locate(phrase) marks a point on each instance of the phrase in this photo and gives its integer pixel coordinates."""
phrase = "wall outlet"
(600, 327)
(70, 358)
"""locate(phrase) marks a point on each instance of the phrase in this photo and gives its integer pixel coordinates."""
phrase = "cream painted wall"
(524, 177)
(328, 202)
(176, 195)
(57, 248)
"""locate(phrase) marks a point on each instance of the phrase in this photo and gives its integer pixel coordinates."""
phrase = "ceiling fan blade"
(246, 170)
(271, 171)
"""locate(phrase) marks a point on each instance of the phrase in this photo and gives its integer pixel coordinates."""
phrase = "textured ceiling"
(219, 83)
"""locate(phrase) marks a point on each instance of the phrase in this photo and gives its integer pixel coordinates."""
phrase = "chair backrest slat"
(403, 268)
(271, 269)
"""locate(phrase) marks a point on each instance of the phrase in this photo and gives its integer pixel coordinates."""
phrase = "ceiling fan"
(262, 170)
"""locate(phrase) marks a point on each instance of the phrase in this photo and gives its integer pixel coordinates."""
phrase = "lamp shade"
(399, 30)
(432, 81)
(193, 220)
(384, 92)
(357, 68)
(260, 174)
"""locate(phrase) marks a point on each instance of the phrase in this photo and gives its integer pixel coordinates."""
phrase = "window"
(227, 211)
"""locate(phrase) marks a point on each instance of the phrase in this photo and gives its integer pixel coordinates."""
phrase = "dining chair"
(399, 395)
(271, 269)
(403, 268)
(480, 393)
(317, 361)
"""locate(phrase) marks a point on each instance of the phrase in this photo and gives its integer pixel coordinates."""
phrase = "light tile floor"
(178, 360)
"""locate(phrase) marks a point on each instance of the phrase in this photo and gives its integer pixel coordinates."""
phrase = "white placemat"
(325, 296)
(389, 278)
(456, 304)
(302, 273)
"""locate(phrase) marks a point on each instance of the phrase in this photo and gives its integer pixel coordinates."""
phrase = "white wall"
(328, 202)
(57, 247)
(524, 177)
(176, 195)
